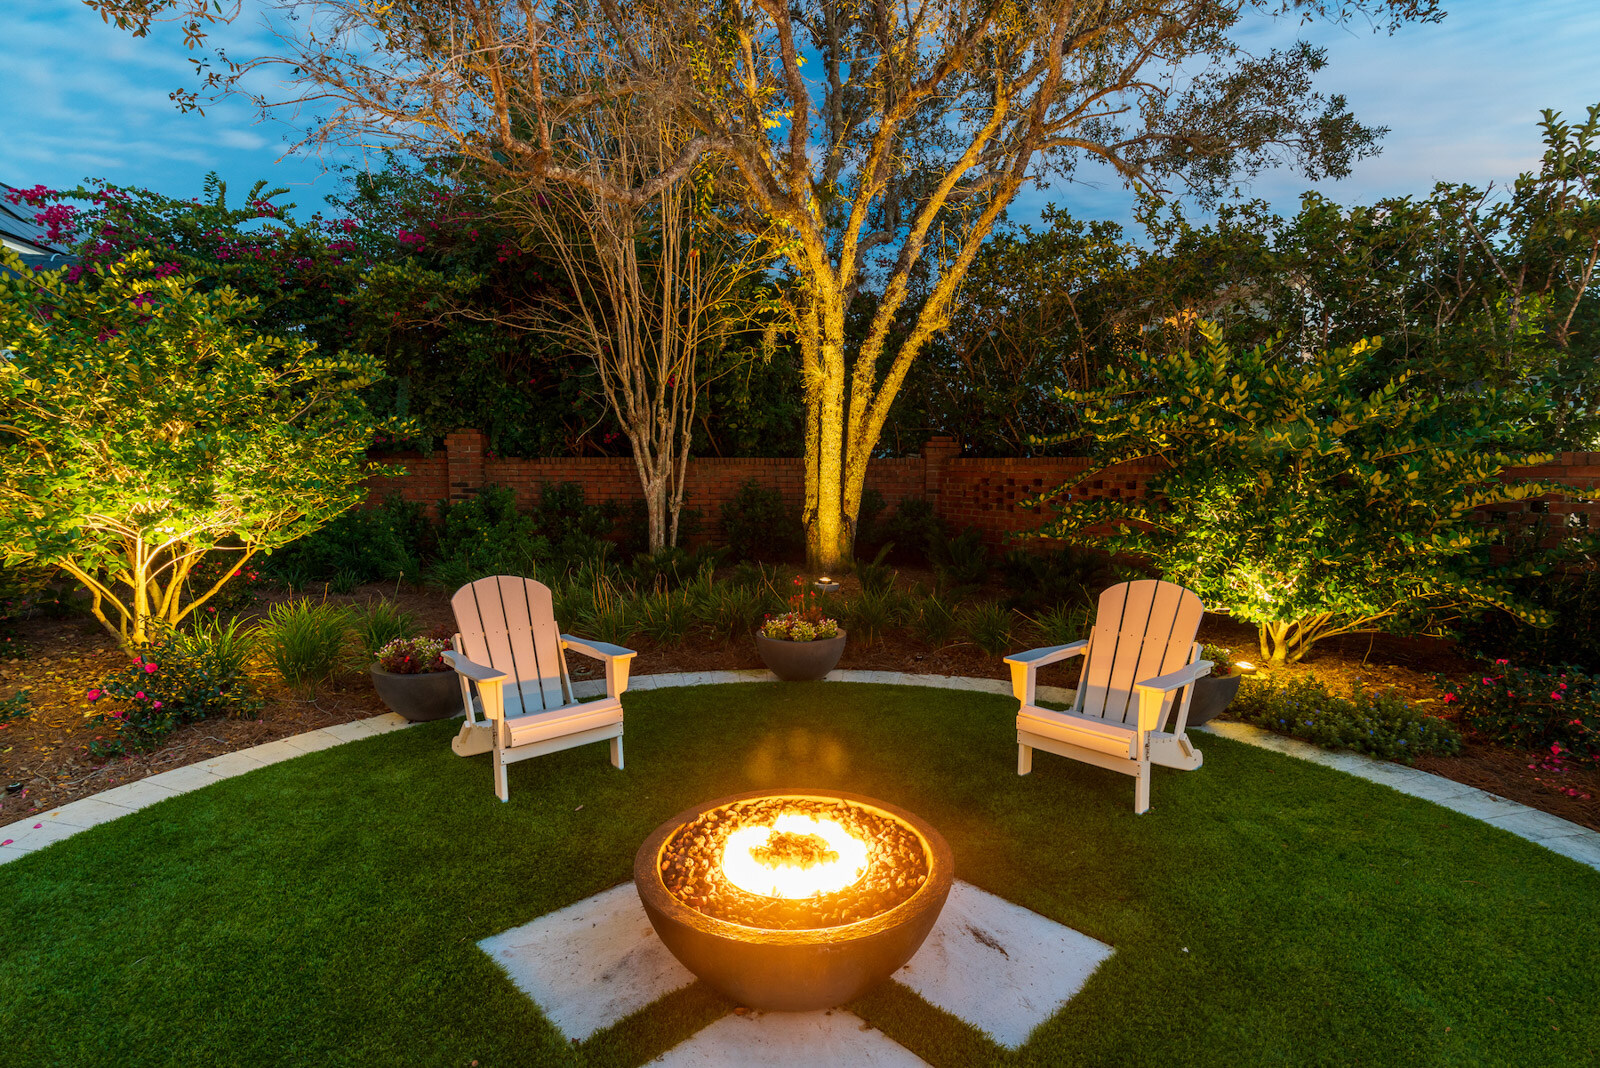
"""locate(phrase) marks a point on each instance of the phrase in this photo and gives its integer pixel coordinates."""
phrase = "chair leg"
(1141, 789)
(616, 751)
(1024, 758)
(502, 788)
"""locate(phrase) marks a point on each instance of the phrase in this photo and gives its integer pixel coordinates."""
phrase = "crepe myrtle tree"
(144, 425)
(1300, 502)
(883, 141)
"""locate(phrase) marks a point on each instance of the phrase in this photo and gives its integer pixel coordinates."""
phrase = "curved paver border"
(1554, 833)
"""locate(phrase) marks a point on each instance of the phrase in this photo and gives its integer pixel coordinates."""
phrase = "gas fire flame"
(773, 878)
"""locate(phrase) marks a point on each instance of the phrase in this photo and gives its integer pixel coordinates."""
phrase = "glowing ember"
(795, 856)
(793, 862)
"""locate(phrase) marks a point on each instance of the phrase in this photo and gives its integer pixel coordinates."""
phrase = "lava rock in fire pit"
(849, 921)
(691, 865)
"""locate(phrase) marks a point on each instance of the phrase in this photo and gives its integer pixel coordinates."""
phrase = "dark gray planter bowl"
(794, 971)
(434, 695)
(1211, 697)
(800, 661)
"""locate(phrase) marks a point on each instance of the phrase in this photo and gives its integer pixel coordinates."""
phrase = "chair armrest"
(1048, 655)
(1174, 679)
(476, 672)
(490, 685)
(597, 650)
(615, 656)
(1153, 691)
(1025, 666)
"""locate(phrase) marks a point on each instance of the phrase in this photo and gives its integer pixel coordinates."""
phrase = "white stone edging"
(46, 828)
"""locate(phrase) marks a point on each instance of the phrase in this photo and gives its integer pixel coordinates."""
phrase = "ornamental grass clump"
(1379, 723)
(307, 643)
(1531, 708)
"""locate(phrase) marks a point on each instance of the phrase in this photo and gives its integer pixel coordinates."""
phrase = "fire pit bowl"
(845, 889)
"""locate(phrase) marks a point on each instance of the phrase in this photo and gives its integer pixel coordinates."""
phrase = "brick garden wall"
(967, 492)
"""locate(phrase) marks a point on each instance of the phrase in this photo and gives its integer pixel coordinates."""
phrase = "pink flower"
(1555, 747)
(1555, 695)
(94, 695)
(140, 695)
(1449, 697)
(150, 668)
(1488, 682)
(1501, 661)
(156, 704)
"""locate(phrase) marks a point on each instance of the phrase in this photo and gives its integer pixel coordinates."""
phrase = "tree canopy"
(144, 424)
(1297, 498)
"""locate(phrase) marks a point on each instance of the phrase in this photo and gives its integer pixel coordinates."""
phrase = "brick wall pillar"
(464, 451)
(935, 451)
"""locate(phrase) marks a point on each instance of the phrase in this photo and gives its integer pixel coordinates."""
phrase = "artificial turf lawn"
(326, 910)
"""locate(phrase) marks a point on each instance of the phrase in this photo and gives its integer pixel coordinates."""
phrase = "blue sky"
(1461, 99)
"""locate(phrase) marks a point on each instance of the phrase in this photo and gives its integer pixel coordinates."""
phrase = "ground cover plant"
(1266, 910)
(1379, 723)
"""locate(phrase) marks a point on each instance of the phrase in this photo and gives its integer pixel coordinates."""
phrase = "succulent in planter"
(802, 644)
(412, 678)
(413, 656)
(796, 627)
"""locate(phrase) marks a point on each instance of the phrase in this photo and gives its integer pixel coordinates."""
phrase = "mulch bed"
(47, 753)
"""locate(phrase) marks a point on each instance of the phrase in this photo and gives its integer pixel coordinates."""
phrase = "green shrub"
(1572, 602)
(869, 531)
(874, 575)
(1062, 625)
(573, 530)
(1531, 708)
(1069, 576)
(381, 622)
(961, 562)
(173, 680)
(673, 567)
(605, 614)
(633, 527)
(665, 616)
(307, 643)
(871, 614)
(759, 525)
(933, 622)
(1380, 723)
(732, 611)
(914, 529)
(486, 535)
(988, 625)
(228, 646)
(356, 547)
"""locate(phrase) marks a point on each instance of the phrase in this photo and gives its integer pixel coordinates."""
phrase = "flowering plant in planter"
(793, 627)
(804, 622)
(413, 656)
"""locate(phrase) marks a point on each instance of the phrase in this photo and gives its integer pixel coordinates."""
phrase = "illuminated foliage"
(1300, 501)
(144, 424)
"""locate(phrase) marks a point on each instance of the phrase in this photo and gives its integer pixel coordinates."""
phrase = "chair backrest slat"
(508, 623)
(1142, 629)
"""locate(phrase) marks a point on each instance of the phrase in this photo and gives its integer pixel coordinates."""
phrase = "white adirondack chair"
(1140, 652)
(510, 651)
